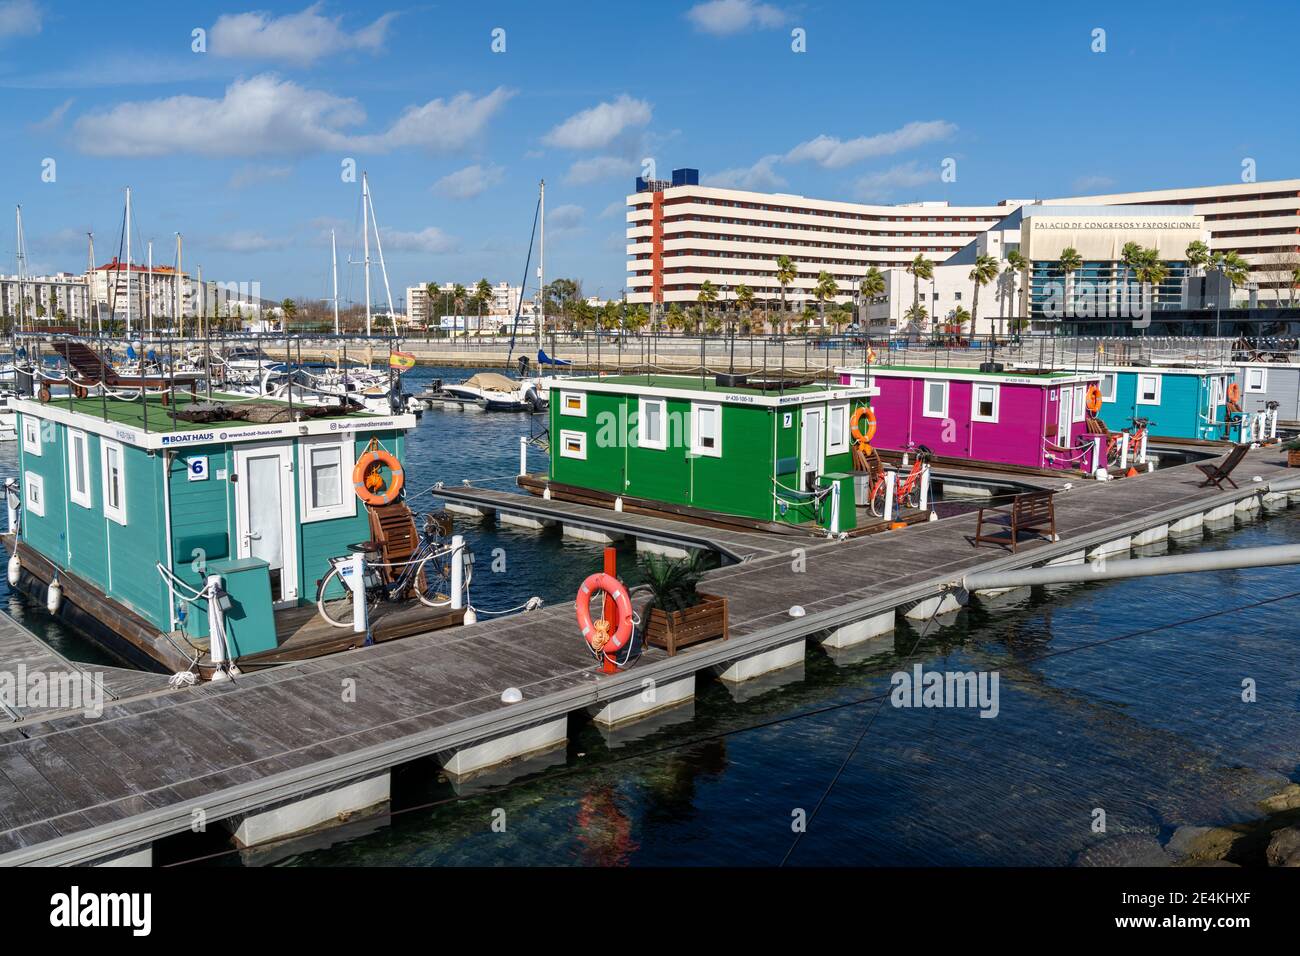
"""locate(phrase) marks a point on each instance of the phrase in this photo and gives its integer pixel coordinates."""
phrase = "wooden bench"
(1031, 511)
(1217, 474)
(92, 370)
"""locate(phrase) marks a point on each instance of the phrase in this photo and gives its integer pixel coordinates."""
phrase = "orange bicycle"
(907, 488)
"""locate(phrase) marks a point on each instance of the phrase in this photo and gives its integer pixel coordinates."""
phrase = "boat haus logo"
(922, 688)
(186, 438)
(76, 909)
(21, 689)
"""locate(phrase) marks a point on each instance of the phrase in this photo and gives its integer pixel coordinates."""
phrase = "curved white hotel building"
(680, 234)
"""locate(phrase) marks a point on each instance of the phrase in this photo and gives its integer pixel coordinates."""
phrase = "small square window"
(326, 471)
(837, 430)
(1256, 379)
(573, 445)
(651, 414)
(936, 400)
(1080, 397)
(706, 430)
(984, 403)
(573, 403)
(34, 493)
(31, 435)
(1148, 390)
(114, 480)
(1108, 387)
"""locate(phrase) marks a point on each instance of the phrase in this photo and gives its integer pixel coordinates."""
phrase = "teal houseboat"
(133, 510)
(1179, 402)
(765, 451)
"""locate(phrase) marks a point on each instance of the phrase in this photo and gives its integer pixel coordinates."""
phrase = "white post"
(890, 477)
(457, 572)
(12, 499)
(835, 508)
(1142, 449)
(216, 646)
(357, 582)
(925, 487)
(1272, 426)
(1096, 453)
(523, 455)
(1124, 439)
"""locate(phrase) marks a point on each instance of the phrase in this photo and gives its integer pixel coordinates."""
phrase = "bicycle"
(907, 490)
(421, 576)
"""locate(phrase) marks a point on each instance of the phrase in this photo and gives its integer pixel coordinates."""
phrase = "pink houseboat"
(1028, 419)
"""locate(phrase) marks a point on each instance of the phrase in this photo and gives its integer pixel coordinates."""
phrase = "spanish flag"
(401, 360)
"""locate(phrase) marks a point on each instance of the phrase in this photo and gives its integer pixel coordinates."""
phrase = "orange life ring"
(861, 439)
(1234, 392)
(369, 484)
(597, 635)
(1094, 399)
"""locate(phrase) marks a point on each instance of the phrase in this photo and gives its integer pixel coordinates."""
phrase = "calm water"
(1151, 728)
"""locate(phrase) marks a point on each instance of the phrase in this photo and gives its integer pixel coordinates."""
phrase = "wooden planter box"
(673, 631)
(1293, 458)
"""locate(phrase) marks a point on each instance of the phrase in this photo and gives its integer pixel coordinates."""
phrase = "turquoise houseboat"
(1178, 402)
(133, 513)
(756, 449)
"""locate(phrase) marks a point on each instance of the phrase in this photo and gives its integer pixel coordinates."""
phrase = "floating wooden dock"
(278, 751)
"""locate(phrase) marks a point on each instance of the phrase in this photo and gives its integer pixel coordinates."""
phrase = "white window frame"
(696, 447)
(975, 415)
(78, 437)
(641, 440)
(32, 435)
(1108, 396)
(580, 411)
(1138, 399)
(347, 506)
(1079, 410)
(837, 436)
(925, 398)
(35, 505)
(1263, 380)
(117, 514)
(568, 435)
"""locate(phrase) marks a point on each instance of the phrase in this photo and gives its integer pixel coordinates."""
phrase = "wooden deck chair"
(1217, 474)
(392, 528)
(90, 369)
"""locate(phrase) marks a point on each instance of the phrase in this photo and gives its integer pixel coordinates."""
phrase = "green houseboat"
(764, 451)
(133, 510)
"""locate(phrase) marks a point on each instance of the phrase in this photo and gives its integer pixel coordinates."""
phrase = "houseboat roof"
(124, 421)
(1167, 369)
(1011, 376)
(692, 386)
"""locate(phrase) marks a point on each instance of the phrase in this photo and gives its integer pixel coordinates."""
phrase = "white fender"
(15, 570)
(54, 596)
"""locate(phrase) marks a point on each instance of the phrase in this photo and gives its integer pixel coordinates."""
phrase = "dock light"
(511, 695)
(797, 610)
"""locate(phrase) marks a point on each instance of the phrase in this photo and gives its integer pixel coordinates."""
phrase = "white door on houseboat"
(1064, 414)
(813, 448)
(264, 514)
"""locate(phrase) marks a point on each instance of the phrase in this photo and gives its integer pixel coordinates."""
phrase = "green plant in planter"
(672, 581)
(1293, 444)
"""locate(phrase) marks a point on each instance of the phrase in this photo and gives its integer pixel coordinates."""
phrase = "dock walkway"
(74, 789)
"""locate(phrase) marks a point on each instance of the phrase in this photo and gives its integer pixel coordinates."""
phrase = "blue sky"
(241, 147)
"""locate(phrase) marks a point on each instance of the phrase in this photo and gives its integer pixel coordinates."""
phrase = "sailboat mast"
(365, 239)
(90, 274)
(147, 307)
(179, 303)
(541, 268)
(128, 260)
(334, 268)
(22, 267)
(383, 269)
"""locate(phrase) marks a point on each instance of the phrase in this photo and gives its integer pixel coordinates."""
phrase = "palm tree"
(1150, 272)
(827, 288)
(1070, 263)
(915, 317)
(1198, 254)
(920, 268)
(960, 316)
(289, 309)
(1130, 256)
(871, 288)
(458, 295)
(984, 272)
(707, 295)
(745, 299)
(1295, 282)
(786, 272)
(430, 291)
(483, 295)
(1017, 264)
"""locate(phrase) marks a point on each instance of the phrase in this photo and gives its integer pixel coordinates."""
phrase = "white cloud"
(20, 18)
(759, 176)
(600, 125)
(468, 182)
(724, 17)
(565, 217)
(54, 118)
(253, 174)
(1092, 184)
(883, 184)
(617, 208)
(299, 38)
(430, 241)
(597, 168)
(834, 153)
(265, 115)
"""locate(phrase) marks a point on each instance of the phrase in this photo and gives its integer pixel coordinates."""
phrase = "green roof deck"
(132, 413)
(1045, 375)
(698, 384)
